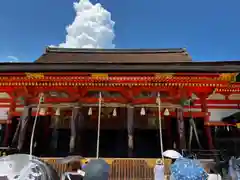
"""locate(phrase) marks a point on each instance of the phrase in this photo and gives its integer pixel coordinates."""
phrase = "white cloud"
(13, 58)
(91, 28)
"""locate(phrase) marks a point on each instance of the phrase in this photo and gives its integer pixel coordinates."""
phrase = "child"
(159, 170)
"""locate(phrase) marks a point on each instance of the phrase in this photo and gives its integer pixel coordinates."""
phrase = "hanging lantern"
(166, 112)
(90, 111)
(142, 112)
(42, 112)
(58, 112)
(114, 112)
(174, 145)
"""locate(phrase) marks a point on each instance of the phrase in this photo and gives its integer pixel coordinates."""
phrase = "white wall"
(218, 114)
(4, 113)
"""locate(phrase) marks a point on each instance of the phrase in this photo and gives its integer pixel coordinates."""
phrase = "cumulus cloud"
(13, 58)
(91, 28)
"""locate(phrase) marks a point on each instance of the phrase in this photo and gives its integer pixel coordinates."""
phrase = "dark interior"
(147, 143)
(199, 122)
(227, 140)
(113, 143)
(13, 126)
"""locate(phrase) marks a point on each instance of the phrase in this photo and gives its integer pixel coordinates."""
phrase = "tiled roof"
(66, 55)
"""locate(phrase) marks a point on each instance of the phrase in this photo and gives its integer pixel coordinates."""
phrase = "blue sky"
(209, 29)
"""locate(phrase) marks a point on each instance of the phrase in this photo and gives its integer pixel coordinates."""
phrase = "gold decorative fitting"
(228, 77)
(34, 75)
(164, 75)
(99, 76)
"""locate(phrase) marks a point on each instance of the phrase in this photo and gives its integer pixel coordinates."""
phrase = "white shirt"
(159, 172)
(214, 177)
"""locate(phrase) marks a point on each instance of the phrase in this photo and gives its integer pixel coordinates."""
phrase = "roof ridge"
(138, 50)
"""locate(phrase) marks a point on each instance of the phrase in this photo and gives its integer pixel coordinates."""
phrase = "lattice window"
(56, 94)
(109, 94)
(93, 94)
(149, 94)
(113, 94)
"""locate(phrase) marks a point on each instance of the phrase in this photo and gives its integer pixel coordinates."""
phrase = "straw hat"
(159, 162)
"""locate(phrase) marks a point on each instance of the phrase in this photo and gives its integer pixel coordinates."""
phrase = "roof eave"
(224, 67)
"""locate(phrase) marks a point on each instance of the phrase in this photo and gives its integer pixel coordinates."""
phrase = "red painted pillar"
(181, 129)
(8, 129)
(206, 120)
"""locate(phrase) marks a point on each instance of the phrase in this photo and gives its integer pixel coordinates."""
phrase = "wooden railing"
(140, 169)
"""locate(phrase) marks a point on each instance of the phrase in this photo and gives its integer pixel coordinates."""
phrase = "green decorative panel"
(238, 78)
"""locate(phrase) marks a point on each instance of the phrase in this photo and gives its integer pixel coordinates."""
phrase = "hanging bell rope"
(41, 100)
(99, 123)
(192, 128)
(160, 125)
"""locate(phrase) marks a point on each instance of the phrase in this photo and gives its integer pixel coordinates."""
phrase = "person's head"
(173, 160)
(159, 162)
(84, 164)
(74, 166)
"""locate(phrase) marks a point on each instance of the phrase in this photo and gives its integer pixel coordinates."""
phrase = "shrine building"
(130, 83)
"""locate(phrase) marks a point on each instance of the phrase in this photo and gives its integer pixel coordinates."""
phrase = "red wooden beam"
(7, 89)
(209, 101)
(53, 100)
(191, 114)
(5, 100)
(125, 100)
(172, 114)
(105, 100)
(69, 90)
(137, 90)
(199, 90)
(153, 100)
(220, 123)
(85, 90)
